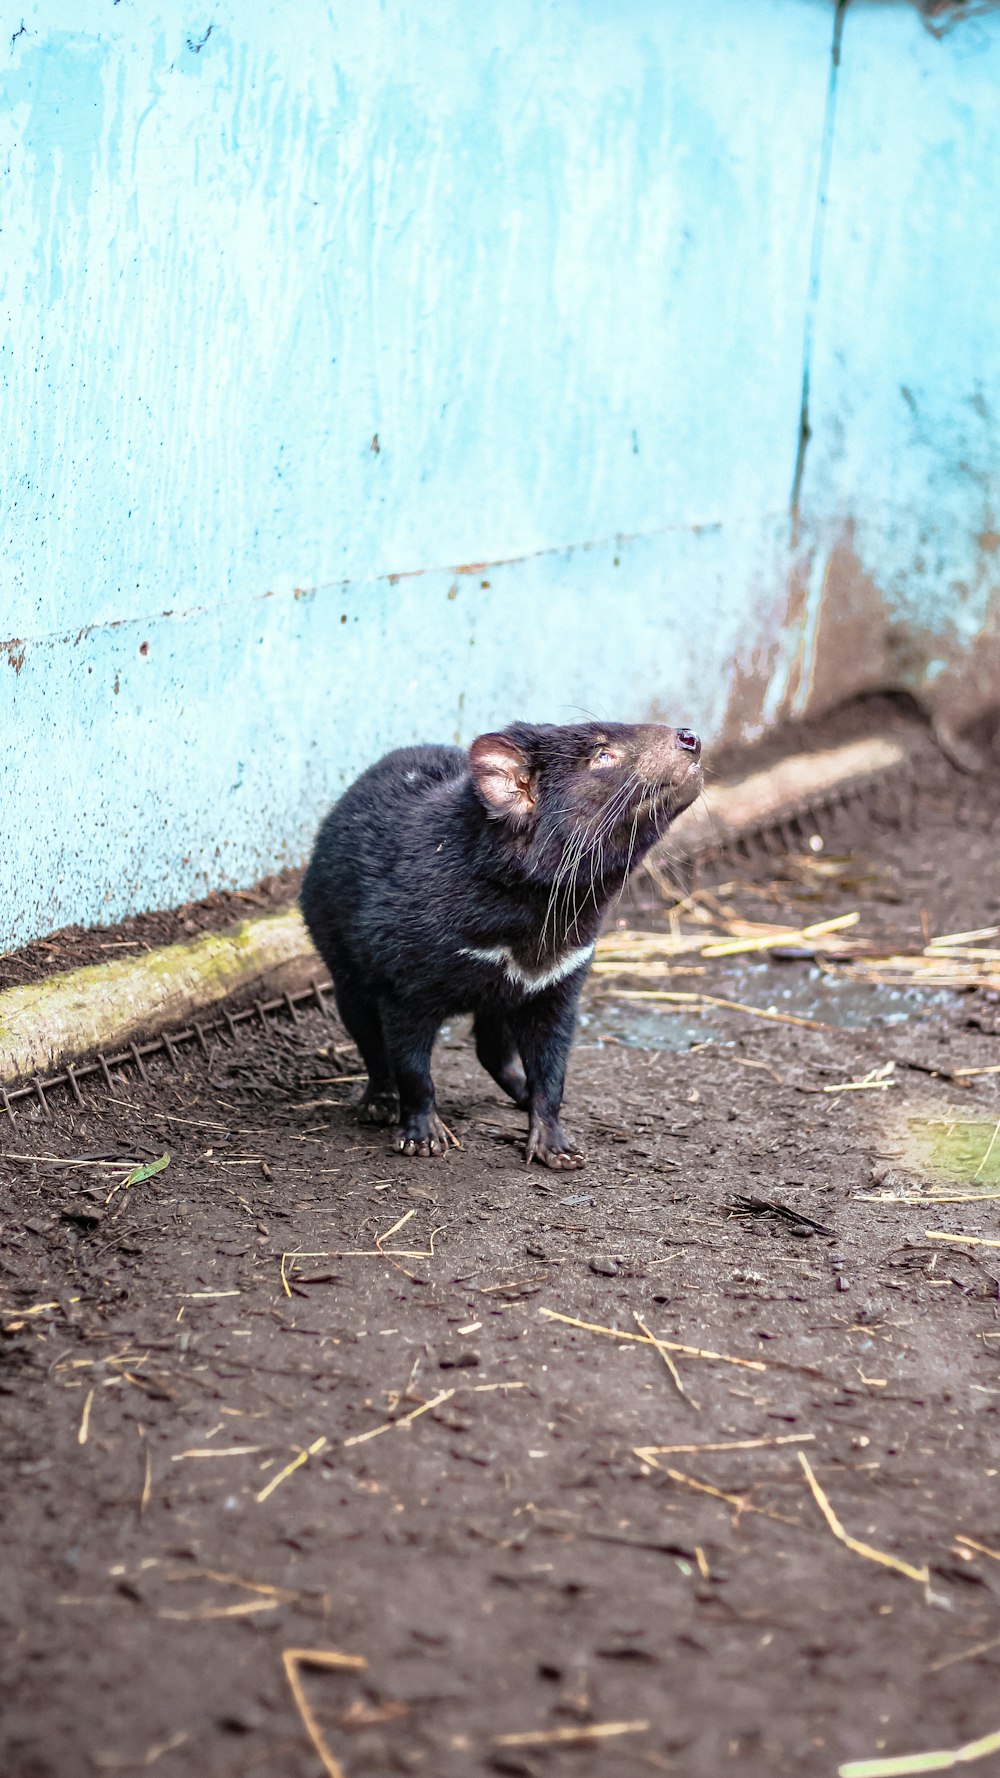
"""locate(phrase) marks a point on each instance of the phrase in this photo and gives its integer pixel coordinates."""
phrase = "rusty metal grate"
(168, 1043)
(893, 795)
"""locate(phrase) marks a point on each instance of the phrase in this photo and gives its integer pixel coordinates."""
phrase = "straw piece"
(668, 1361)
(116, 1762)
(595, 1731)
(361, 1438)
(964, 1240)
(729, 1444)
(791, 935)
(216, 1451)
(907, 1764)
(379, 1251)
(924, 1198)
(963, 938)
(147, 1480)
(379, 1239)
(615, 1333)
(965, 1654)
(983, 1548)
(860, 1549)
(738, 1502)
(283, 1474)
(81, 1437)
(989, 1151)
(757, 1012)
(194, 1296)
(295, 1658)
(204, 1613)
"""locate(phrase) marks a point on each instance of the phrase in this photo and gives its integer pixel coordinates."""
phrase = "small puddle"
(644, 1025)
(811, 993)
(804, 992)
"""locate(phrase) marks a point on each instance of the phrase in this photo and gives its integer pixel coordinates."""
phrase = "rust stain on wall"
(851, 649)
(14, 651)
(748, 684)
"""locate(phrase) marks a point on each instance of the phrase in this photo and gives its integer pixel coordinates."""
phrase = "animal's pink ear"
(502, 777)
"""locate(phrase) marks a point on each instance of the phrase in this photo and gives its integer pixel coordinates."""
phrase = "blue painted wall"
(386, 373)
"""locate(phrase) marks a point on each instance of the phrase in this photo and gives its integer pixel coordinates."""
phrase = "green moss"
(100, 1005)
(954, 1151)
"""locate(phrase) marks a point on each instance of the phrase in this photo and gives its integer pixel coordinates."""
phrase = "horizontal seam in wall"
(616, 540)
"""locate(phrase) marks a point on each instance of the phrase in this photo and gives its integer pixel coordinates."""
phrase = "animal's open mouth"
(674, 795)
(688, 786)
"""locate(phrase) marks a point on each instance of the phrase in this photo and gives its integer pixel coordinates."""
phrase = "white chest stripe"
(531, 979)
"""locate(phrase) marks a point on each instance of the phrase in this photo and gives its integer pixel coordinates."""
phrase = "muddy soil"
(292, 1392)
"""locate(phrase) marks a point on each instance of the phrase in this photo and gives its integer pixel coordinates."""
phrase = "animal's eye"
(604, 757)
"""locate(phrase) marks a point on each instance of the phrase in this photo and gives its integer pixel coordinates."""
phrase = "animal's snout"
(689, 741)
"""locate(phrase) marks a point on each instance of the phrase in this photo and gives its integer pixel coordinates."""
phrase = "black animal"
(446, 882)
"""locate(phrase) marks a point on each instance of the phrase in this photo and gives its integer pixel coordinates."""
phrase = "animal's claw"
(422, 1137)
(548, 1144)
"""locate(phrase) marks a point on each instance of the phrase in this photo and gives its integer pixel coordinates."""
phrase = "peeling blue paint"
(304, 318)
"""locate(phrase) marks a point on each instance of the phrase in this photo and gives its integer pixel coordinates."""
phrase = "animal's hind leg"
(498, 1054)
(379, 1103)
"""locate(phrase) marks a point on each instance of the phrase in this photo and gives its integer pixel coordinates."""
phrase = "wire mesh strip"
(168, 1043)
(789, 827)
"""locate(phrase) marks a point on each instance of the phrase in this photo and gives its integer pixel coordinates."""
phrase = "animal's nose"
(690, 742)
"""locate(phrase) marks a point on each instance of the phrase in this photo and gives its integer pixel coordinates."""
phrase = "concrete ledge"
(69, 1016)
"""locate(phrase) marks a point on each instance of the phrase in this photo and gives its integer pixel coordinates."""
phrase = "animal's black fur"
(516, 846)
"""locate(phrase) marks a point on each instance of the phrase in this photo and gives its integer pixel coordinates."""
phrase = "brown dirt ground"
(505, 1563)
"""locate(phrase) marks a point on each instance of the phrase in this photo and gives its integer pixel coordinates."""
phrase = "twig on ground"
(982, 1548)
(780, 935)
(852, 1543)
(147, 1480)
(963, 1240)
(989, 1151)
(568, 1736)
(122, 1762)
(907, 1765)
(81, 1437)
(204, 1614)
(965, 1654)
(738, 1502)
(668, 1361)
(361, 1438)
(730, 1444)
(696, 1000)
(293, 1659)
(615, 1333)
(289, 1469)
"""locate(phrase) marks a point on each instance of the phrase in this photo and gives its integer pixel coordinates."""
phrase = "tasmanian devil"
(447, 882)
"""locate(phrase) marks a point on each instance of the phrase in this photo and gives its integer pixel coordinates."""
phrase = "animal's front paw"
(378, 1107)
(422, 1135)
(548, 1143)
